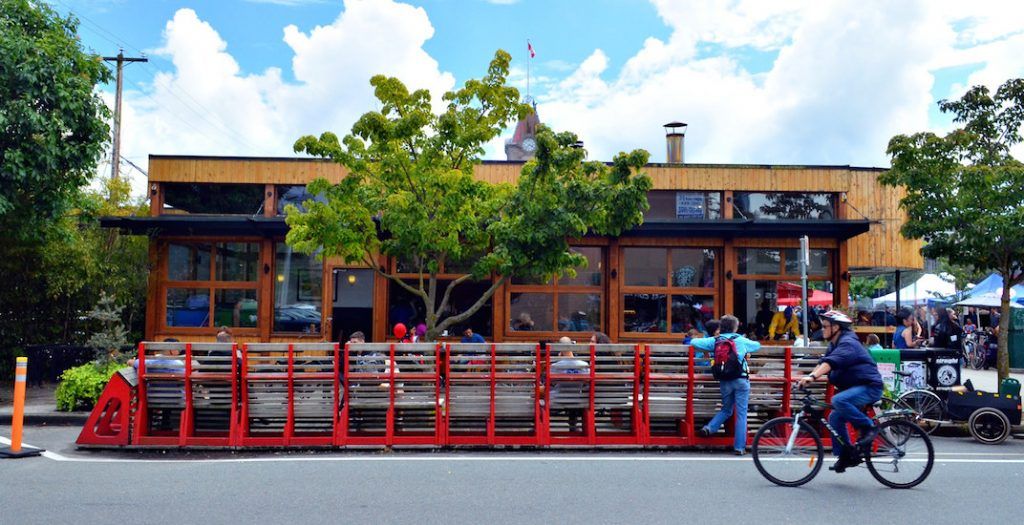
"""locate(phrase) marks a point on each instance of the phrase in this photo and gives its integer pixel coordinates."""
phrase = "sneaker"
(840, 465)
(703, 432)
(867, 437)
(739, 452)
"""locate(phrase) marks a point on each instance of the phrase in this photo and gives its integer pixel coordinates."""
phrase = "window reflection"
(188, 262)
(589, 274)
(819, 262)
(684, 205)
(296, 195)
(645, 313)
(691, 312)
(759, 261)
(784, 205)
(188, 307)
(236, 308)
(236, 261)
(579, 312)
(298, 282)
(693, 268)
(531, 312)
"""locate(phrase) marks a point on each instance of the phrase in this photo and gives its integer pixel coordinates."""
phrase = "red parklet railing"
(383, 394)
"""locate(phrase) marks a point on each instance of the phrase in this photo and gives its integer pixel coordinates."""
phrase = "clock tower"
(523, 144)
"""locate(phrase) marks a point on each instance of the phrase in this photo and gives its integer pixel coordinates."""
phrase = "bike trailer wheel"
(929, 408)
(989, 426)
(901, 456)
(782, 464)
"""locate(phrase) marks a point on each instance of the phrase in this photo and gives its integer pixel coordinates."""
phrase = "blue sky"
(790, 82)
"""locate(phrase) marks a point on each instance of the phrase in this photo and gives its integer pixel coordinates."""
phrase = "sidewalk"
(40, 407)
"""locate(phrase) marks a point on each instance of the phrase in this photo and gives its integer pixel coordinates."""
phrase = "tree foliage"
(965, 191)
(52, 122)
(410, 193)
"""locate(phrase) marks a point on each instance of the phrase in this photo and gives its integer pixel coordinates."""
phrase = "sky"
(781, 82)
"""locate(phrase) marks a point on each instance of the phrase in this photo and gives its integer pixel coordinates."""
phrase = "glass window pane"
(644, 312)
(645, 267)
(236, 308)
(693, 267)
(530, 280)
(684, 205)
(777, 205)
(690, 312)
(221, 199)
(590, 274)
(819, 262)
(188, 307)
(531, 312)
(579, 312)
(758, 261)
(298, 281)
(188, 262)
(296, 195)
(237, 261)
(758, 302)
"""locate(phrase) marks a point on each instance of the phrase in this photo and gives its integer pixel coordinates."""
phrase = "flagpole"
(529, 58)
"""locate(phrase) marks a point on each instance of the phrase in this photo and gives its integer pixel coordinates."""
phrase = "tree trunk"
(1003, 357)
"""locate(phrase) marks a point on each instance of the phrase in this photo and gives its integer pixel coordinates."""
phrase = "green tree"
(111, 337)
(52, 121)
(965, 191)
(411, 194)
(865, 287)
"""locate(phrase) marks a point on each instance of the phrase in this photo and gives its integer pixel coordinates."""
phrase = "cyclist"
(852, 370)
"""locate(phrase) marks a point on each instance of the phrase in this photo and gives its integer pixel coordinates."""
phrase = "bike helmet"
(838, 318)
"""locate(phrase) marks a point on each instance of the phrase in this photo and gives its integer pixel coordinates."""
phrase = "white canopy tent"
(989, 300)
(929, 286)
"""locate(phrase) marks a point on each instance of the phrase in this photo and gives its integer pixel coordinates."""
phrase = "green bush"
(80, 387)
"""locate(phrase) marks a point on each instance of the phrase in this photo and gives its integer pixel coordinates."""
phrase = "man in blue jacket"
(735, 392)
(854, 373)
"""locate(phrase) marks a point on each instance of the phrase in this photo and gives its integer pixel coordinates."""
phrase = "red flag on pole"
(529, 47)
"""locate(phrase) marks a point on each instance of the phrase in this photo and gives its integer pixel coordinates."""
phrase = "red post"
(289, 426)
(341, 426)
(591, 424)
(234, 430)
(244, 393)
(447, 393)
(788, 386)
(142, 413)
(185, 428)
(691, 433)
(389, 425)
(438, 407)
(493, 380)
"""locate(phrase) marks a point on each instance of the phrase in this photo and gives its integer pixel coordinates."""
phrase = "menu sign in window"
(689, 205)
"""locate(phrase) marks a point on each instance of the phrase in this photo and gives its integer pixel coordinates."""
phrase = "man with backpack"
(729, 366)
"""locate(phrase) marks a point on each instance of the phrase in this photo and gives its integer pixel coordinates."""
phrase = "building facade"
(717, 239)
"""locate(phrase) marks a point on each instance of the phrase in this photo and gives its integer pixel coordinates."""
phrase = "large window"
(684, 205)
(296, 195)
(298, 291)
(784, 205)
(564, 304)
(768, 282)
(211, 284)
(407, 308)
(221, 199)
(668, 290)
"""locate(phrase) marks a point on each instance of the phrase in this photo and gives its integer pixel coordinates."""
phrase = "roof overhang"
(198, 225)
(729, 228)
(722, 228)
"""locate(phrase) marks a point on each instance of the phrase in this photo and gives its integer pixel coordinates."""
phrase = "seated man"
(568, 396)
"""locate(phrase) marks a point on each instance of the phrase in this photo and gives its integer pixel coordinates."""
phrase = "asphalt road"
(971, 483)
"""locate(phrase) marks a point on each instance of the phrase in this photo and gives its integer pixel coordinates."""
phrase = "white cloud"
(208, 106)
(847, 77)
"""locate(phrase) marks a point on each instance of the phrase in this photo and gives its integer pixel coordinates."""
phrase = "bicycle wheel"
(789, 468)
(901, 456)
(975, 357)
(929, 408)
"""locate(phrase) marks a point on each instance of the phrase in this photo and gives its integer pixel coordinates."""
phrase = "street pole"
(115, 160)
(805, 259)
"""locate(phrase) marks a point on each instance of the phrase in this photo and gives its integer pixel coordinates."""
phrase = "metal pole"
(805, 257)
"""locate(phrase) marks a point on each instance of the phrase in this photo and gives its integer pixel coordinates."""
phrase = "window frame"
(714, 291)
(211, 285)
(554, 288)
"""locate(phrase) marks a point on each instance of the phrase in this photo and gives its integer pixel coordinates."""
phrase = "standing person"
(763, 319)
(784, 324)
(946, 333)
(854, 373)
(419, 333)
(735, 392)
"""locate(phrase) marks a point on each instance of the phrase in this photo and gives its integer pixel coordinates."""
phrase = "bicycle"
(975, 349)
(788, 451)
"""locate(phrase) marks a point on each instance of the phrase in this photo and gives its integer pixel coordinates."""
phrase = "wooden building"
(717, 239)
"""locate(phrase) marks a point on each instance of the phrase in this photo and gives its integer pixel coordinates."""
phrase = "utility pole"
(120, 59)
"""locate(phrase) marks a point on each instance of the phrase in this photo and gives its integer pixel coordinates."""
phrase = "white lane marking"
(456, 457)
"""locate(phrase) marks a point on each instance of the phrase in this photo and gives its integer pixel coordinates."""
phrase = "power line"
(198, 109)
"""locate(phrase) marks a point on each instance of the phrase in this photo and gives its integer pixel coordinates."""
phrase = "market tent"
(990, 300)
(929, 287)
(993, 284)
(789, 294)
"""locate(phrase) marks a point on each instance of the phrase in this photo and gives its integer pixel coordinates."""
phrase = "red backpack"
(726, 364)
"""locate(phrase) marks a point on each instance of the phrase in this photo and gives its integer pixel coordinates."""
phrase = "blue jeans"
(846, 408)
(735, 395)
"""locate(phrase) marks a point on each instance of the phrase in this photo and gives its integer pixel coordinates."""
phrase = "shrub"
(80, 387)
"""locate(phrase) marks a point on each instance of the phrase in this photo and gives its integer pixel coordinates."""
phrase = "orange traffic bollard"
(15, 450)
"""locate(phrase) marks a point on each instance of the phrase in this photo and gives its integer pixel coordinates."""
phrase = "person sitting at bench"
(569, 394)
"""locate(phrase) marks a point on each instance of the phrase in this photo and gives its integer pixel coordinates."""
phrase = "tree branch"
(448, 292)
(449, 321)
